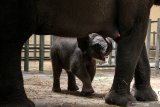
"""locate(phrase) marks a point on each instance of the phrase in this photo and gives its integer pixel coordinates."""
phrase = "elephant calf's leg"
(85, 78)
(57, 69)
(142, 89)
(91, 69)
(72, 82)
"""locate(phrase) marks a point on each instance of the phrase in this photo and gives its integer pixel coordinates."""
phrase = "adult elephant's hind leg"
(125, 67)
(129, 48)
(142, 89)
(12, 92)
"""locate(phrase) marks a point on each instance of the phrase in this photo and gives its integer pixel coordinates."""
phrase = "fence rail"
(37, 48)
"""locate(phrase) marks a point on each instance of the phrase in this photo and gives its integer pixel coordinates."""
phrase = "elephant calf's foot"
(114, 98)
(56, 89)
(73, 88)
(143, 93)
(87, 91)
(19, 103)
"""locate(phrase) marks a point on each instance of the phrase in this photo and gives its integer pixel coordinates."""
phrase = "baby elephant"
(66, 54)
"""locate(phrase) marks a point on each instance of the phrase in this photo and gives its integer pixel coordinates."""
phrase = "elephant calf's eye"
(97, 47)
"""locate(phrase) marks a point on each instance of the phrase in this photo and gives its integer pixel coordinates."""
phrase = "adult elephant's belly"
(76, 17)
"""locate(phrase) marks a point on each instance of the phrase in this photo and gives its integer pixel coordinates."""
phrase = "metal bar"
(154, 38)
(35, 44)
(51, 40)
(157, 46)
(148, 37)
(26, 56)
(154, 21)
(110, 59)
(115, 52)
(41, 54)
(104, 65)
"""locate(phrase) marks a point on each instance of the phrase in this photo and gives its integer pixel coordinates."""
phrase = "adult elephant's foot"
(144, 93)
(12, 93)
(120, 99)
(73, 88)
(14, 97)
(18, 103)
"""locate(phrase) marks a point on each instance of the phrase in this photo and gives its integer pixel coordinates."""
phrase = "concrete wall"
(155, 12)
(154, 15)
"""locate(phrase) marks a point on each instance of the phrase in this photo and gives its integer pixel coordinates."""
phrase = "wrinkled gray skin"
(21, 18)
(66, 54)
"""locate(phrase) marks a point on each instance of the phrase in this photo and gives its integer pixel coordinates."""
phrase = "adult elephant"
(20, 18)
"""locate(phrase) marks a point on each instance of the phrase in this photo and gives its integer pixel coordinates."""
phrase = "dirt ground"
(38, 88)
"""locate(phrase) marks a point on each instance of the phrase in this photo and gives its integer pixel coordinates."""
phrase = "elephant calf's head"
(99, 46)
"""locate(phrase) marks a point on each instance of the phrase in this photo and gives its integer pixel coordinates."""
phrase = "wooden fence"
(37, 48)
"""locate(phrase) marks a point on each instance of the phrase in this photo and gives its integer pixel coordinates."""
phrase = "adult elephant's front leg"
(12, 92)
(142, 89)
(128, 52)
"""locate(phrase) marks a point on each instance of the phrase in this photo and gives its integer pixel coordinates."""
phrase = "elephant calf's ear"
(157, 2)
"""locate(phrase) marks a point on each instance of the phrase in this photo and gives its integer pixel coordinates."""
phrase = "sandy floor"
(38, 88)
